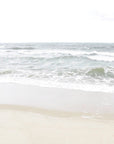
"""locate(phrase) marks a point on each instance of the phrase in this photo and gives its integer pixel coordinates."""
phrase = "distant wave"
(65, 52)
(102, 58)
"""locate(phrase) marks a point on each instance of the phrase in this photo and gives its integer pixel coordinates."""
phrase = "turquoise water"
(84, 66)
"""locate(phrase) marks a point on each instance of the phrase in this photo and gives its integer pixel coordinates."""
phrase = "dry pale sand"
(20, 125)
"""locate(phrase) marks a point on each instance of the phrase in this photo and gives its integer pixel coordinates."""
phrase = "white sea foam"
(68, 66)
(69, 52)
(102, 58)
(106, 56)
(100, 87)
(2, 46)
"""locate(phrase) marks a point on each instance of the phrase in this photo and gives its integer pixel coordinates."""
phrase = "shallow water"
(84, 66)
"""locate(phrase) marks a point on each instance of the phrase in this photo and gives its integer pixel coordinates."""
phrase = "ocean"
(81, 66)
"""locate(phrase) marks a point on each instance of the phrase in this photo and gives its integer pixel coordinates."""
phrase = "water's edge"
(95, 104)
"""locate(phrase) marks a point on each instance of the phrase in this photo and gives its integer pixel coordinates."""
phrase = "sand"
(20, 126)
(57, 98)
(34, 115)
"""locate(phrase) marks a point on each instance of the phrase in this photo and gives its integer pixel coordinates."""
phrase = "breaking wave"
(74, 66)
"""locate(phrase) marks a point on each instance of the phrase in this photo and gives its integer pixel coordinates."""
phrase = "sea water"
(81, 66)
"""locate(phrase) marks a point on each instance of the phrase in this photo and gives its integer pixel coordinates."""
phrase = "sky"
(56, 21)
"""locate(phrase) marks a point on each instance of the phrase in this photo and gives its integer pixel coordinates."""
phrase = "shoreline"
(57, 99)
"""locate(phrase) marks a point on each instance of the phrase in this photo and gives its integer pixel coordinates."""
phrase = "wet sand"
(57, 99)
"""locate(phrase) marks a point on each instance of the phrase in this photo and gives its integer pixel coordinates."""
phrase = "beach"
(58, 99)
(56, 93)
(27, 117)
(25, 127)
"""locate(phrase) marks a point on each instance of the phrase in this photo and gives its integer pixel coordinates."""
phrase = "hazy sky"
(56, 21)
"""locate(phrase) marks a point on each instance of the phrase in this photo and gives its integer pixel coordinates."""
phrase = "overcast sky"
(56, 21)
